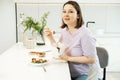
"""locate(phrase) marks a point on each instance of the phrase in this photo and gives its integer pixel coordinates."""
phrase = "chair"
(103, 59)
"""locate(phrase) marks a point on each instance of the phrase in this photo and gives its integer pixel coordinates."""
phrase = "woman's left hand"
(64, 57)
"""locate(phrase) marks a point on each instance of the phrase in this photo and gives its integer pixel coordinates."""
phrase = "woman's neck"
(71, 29)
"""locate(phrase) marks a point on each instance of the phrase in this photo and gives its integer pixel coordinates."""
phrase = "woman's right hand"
(49, 35)
(48, 32)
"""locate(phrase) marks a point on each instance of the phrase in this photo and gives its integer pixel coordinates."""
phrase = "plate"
(41, 54)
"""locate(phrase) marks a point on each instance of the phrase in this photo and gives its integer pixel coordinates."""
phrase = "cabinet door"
(113, 19)
(96, 13)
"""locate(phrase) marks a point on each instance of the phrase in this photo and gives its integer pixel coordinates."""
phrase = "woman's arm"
(81, 59)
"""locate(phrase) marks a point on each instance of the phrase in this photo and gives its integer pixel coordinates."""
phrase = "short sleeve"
(88, 44)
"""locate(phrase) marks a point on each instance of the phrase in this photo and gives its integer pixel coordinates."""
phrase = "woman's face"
(69, 15)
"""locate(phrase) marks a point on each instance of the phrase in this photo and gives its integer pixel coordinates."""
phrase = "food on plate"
(41, 54)
(35, 60)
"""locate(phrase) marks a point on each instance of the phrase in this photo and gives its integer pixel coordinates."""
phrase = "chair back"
(103, 60)
(102, 56)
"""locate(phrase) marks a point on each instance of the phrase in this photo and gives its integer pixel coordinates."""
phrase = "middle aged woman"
(80, 43)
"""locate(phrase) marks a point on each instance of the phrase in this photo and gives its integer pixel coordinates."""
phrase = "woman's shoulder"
(83, 30)
(86, 31)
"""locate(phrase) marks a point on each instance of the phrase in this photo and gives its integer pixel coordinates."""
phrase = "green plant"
(31, 24)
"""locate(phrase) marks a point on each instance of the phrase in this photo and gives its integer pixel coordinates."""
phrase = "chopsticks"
(44, 68)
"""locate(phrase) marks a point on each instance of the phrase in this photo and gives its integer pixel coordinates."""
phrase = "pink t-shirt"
(82, 42)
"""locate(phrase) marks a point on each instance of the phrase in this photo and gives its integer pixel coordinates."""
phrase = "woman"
(81, 45)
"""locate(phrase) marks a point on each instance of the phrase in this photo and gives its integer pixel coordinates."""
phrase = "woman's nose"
(66, 14)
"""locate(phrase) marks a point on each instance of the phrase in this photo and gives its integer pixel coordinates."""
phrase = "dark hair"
(80, 21)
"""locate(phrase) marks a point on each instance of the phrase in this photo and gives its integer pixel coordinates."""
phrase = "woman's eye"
(70, 11)
(67, 11)
(64, 11)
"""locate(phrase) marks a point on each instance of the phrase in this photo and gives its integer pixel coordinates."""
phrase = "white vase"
(29, 40)
(30, 43)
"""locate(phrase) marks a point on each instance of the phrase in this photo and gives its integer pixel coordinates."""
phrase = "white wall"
(7, 24)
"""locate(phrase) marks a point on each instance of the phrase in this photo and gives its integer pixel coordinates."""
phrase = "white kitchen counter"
(15, 64)
(107, 35)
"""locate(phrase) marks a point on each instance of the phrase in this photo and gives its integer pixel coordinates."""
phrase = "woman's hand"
(48, 33)
(64, 57)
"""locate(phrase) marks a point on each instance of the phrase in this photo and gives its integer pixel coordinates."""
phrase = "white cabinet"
(105, 16)
(113, 19)
(112, 45)
(80, 1)
(96, 13)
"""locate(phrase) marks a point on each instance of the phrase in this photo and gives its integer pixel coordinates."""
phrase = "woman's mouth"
(66, 19)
